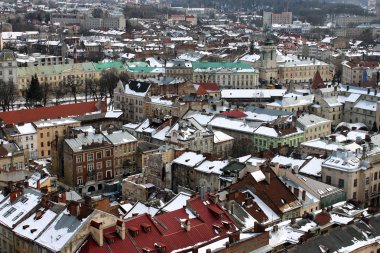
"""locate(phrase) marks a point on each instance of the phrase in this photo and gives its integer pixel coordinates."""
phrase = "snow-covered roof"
(221, 137)
(189, 159)
(214, 167)
(33, 226)
(25, 129)
(60, 231)
(140, 208)
(177, 202)
(12, 213)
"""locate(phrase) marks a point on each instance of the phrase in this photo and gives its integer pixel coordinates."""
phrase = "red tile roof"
(205, 88)
(234, 114)
(52, 112)
(168, 229)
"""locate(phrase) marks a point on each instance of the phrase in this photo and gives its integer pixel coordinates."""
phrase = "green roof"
(142, 69)
(118, 65)
(40, 70)
(137, 64)
(225, 65)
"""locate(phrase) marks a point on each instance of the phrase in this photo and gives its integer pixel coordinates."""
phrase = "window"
(98, 155)
(341, 183)
(78, 158)
(79, 180)
(108, 174)
(42, 144)
(354, 195)
(355, 182)
(48, 134)
(367, 180)
(99, 165)
(108, 163)
(328, 179)
(90, 167)
(375, 176)
(108, 153)
(366, 194)
(100, 176)
(42, 135)
(79, 170)
(90, 157)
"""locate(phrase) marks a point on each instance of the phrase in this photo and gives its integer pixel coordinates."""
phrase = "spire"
(317, 81)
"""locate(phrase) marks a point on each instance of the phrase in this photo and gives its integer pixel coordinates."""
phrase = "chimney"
(120, 229)
(235, 237)
(303, 195)
(187, 225)
(296, 192)
(267, 177)
(26, 183)
(38, 184)
(293, 221)
(14, 195)
(275, 228)
(96, 230)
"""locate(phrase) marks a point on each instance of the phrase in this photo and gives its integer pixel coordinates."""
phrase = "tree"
(108, 82)
(375, 129)
(34, 92)
(8, 95)
(45, 93)
(59, 92)
(97, 13)
(73, 85)
(243, 147)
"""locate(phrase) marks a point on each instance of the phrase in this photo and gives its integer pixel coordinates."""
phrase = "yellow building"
(125, 146)
(294, 69)
(49, 130)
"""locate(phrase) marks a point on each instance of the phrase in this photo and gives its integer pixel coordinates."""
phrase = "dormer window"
(146, 227)
(227, 224)
(147, 250)
(133, 231)
(160, 247)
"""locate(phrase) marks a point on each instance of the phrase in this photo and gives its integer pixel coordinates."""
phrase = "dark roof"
(341, 237)
(317, 81)
(52, 112)
(234, 167)
(139, 87)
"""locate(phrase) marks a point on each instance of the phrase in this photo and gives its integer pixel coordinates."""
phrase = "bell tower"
(268, 60)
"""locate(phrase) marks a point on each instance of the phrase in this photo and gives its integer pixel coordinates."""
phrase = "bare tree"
(108, 82)
(45, 93)
(8, 95)
(73, 85)
(92, 88)
(59, 92)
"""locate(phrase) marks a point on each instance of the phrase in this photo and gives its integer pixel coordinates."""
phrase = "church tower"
(268, 60)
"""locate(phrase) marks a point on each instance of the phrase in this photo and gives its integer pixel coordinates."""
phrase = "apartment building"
(8, 67)
(49, 131)
(274, 136)
(14, 208)
(131, 98)
(358, 173)
(296, 69)
(12, 157)
(359, 72)
(110, 22)
(283, 18)
(313, 126)
(124, 152)
(88, 162)
(25, 135)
